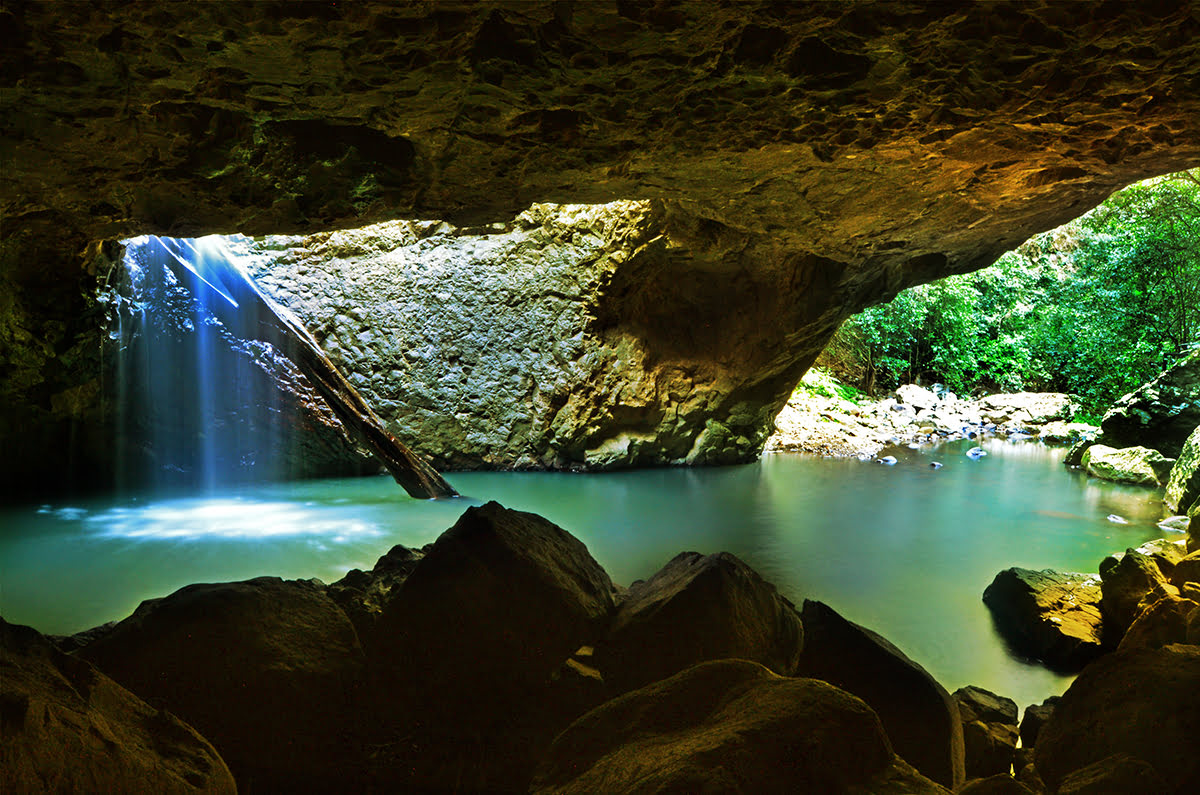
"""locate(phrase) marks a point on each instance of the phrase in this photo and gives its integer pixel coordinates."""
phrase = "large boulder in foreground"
(1128, 586)
(920, 717)
(1160, 414)
(1183, 484)
(989, 731)
(66, 727)
(1140, 466)
(694, 609)
(268, 669)
(363, 594)
(1143, 703)
(1119, 774)
(728, 726)
(1047, 615)
(1162, 623)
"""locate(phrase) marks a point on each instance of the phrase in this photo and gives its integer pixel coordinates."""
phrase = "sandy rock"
(1051, 616)
(990, 731)
(728, 726)
(66, 727)
(919, 715)
(694, 609)
(268, 669)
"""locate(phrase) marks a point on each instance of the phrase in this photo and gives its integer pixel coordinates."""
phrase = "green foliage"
(1095, 308)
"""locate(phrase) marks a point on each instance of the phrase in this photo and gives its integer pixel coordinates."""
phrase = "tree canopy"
(1095, 307)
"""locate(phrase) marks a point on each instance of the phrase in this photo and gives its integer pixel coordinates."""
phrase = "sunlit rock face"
(825, 154)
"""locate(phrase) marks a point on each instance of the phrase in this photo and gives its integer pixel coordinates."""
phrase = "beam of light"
(191, 266)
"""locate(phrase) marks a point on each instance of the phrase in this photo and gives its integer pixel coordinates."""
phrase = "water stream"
(906, 550)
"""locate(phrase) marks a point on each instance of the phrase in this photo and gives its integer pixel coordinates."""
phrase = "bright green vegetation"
(1095, 308)
(820, 382)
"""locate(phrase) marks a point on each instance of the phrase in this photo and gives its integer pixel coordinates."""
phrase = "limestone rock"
(1048, 615)
(1121, 773)
(1161, 414)
(1163, 622)
(1143, 703)
(1138, 465)
(66, 727)
(268, 669)
(694, 609)
(1034, 719)
(920, 717)
(1183, 485)
(990, 731)
(728, 726)
(1124, 585)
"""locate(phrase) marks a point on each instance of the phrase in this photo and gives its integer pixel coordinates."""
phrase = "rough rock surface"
(1128, 586)
(1048, 615)
(1160, 414)
(989, 731)
(1138, 465)
(1119, 773)
(1034, 408)
(1162, 623)
(66, 727)
(694, 609)
(920, 717)
(1156, 720)
(728, 726)
(1034, 719)
(1186, 570)
(1183, 486)
(268, 669)
(759, 127)
(362, 595)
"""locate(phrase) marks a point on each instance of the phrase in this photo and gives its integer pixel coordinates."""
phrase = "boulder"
(1165, 553)
(65, 727)
(1144, 703)
(1124, 584)
(1140, 466)
(268, 669)
(1034, 408)
(1183, 484)
(1048, 615)
(363, 594)
(1059, 432)
(728, 726)
(1186, 570)
(999, 784)
(1119, 773)
(1074, 456)
(1034, 718)
(990, 731)
(699, 608)
(1162, 623)
(917, 397)
(917, 712)
(1161, 414)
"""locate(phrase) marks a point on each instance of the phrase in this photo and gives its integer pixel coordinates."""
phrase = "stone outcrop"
(990, 731)
(1140, 466)
(1128, 586)
(1183, 485)
(362, 595)
(1160, 414)
(1050, 616)
(756, 129)
(66, 727)
(247, 663)
(1163, 622)
(1034, 719)
(1121, 773)
(920, 717)
(728, 726)
(1031, 408)
(694, 609)
(1155, 721)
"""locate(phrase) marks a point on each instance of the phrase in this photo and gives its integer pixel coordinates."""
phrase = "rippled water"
(906, 550)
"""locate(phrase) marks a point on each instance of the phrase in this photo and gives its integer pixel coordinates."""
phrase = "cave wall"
(833, 153)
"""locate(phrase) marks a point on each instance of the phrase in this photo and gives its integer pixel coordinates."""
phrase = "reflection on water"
(906, 550)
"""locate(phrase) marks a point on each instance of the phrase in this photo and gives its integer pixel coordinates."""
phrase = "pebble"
(887, 460)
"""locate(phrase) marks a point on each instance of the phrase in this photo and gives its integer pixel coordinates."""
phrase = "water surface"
(906, 550)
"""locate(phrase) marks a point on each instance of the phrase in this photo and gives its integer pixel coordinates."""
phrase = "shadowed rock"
(1129, 585)
(1048, 615)
(990, 731)
(66, 727)
(1161, 414)
(1162, 623)
(1119, 773)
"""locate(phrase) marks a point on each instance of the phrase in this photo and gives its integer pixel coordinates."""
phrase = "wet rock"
(1143, 703)
(990, 731)
(1162, 623)
(1125, 584)
(694, 609)
(66, 727)
(268, 669)
(1183, 485)
(1119, 773)
(1034, 718)
(1161, 414)
(1000, 784)
(1051, 616)
(728, 726)
(919, 715)
(1137, 465)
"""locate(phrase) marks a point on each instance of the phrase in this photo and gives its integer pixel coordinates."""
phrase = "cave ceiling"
(902, 141)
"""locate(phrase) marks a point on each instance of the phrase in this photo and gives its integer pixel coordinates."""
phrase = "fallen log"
(236, 301)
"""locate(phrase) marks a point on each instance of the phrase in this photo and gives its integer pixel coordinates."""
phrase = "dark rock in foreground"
(1143, 703)
(920, 717)
(990, 731)
(995, 785)
(1048, 615)
(1035, 718)
(268, 669)
(66, 727)
(694, 609)
(728, 726)
(1163, 623)
(1119, 773)
(363, 594)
